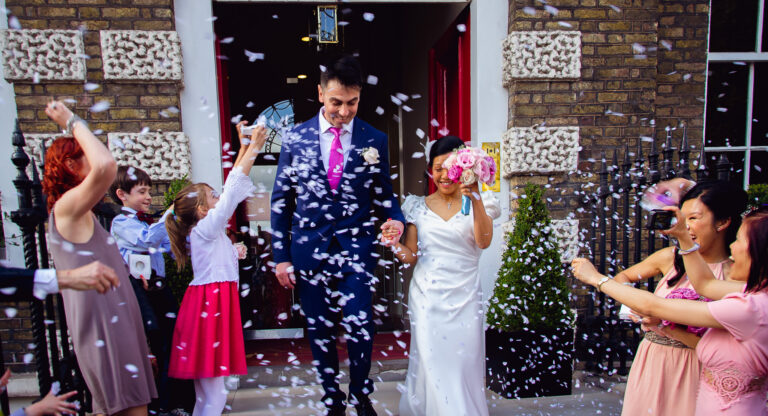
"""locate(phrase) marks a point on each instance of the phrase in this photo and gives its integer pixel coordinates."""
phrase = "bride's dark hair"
(444, 145)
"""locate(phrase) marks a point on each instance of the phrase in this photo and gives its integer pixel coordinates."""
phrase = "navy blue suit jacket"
(306, 214)
(22, 280)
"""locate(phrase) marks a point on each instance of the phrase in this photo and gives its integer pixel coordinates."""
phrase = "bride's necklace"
(449, 203)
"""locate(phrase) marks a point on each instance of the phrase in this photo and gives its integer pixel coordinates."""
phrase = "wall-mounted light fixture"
(327, 24)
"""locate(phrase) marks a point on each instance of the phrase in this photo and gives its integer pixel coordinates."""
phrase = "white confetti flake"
(254, 56)
(28, 357)
(100, 106)
(227, 40)
(461, 27)
(132, 368)
(90, 86)
(379, 110)
(11, 312)
(529, 11)
(372, 80)
(368, 16)
(99, 343)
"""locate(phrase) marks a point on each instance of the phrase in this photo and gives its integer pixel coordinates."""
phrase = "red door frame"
(450, 84)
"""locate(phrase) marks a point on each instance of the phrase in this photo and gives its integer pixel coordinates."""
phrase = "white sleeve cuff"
(46, 283)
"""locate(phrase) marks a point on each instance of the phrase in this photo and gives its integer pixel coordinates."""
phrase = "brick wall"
(644, 60)
(641, 60)
(132, 105)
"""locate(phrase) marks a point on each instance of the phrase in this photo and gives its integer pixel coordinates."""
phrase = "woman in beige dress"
(106, 330)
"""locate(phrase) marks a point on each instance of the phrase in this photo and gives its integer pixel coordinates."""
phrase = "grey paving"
(268, 391)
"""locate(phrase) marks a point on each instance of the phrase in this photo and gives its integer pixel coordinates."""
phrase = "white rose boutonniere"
(371, 155)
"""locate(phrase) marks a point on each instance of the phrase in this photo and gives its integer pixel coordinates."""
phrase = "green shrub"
(758, 194)
(177, 280)
(531, 290)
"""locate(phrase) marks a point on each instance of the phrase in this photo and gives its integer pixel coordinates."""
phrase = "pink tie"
(336, 159)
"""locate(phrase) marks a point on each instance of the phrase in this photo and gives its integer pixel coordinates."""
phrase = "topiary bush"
(531, 290)
(177, 280)
(757, 194)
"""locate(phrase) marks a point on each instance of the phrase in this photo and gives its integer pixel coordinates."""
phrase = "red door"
(449, 84)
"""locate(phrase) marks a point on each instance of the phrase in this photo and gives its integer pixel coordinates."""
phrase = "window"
(736, 118)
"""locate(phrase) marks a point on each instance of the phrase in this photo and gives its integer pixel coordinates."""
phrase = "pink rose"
(454, 173)
(482, 170)
(465, 159)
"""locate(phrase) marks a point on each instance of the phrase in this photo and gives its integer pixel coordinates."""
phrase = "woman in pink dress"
(664, 376)
(734, 352)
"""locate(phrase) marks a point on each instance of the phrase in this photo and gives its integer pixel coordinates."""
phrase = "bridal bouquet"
(690, 294)
(469, 165)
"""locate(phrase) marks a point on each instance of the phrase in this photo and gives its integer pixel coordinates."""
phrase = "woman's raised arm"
(98, 166)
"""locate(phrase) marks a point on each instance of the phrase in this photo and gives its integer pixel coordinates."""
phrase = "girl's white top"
(214, 257)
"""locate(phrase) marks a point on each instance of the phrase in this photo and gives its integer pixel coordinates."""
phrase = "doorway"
(269, 56)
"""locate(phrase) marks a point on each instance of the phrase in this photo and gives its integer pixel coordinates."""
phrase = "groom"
(332, 185)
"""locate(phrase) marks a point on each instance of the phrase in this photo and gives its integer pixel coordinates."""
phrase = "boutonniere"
(371, 155)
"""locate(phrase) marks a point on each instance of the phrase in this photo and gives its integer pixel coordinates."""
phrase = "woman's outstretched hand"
(585, 271)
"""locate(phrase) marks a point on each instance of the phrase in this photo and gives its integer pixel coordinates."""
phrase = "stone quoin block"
(33, 143)
(552, 54)
(539, 150)
(163, 155)
(36, 55)
(566, 234)
(151, 55)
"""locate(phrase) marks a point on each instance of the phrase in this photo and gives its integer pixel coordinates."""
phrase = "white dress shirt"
(45, 284)
(326, 139)
(214, 257)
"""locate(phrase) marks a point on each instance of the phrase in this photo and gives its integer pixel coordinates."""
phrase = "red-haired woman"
(106, 329)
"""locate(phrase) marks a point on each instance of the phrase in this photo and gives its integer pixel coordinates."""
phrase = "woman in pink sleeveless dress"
(734, 352)
(664, 376)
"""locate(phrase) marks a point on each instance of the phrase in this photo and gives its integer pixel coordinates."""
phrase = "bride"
(447, 356)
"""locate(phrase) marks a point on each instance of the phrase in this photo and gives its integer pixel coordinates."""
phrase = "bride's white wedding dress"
(447, 356)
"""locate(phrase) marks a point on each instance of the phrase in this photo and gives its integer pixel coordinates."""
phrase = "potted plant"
(529, 340)
(178, 280)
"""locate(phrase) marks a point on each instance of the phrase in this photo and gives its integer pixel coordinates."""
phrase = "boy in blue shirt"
(137, 235)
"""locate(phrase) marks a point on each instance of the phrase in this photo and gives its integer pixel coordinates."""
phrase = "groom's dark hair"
(343, 68)
(444, 145)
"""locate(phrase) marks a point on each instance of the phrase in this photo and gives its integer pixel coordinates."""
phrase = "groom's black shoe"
(364, 407)
(337, 411)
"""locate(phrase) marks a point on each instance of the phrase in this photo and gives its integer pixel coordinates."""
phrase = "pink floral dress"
(734, 360)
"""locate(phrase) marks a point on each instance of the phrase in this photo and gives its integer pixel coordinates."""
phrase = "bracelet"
(602, 281)
(71, 125)
(695, 247)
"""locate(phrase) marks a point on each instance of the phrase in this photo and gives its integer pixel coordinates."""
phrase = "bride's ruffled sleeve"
(409, 208)
(491, 203)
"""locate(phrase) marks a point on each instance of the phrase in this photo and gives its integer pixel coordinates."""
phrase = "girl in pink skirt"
(208, 339)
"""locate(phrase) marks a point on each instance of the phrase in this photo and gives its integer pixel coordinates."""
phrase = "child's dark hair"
(184, 218)
(343, 68)
(726, 201)
(127, 177)
(443, 145)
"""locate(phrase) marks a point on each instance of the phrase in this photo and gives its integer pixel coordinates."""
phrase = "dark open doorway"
(270, 65)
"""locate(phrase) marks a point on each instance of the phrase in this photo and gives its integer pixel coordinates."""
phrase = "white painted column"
(488, 28)
(199, 98)
(13, 250)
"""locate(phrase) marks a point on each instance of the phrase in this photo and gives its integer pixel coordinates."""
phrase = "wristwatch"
(71, 125)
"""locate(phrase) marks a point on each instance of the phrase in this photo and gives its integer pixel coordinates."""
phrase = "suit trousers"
(334, 289)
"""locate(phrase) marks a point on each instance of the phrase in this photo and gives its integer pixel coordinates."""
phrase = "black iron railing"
(618, 239)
